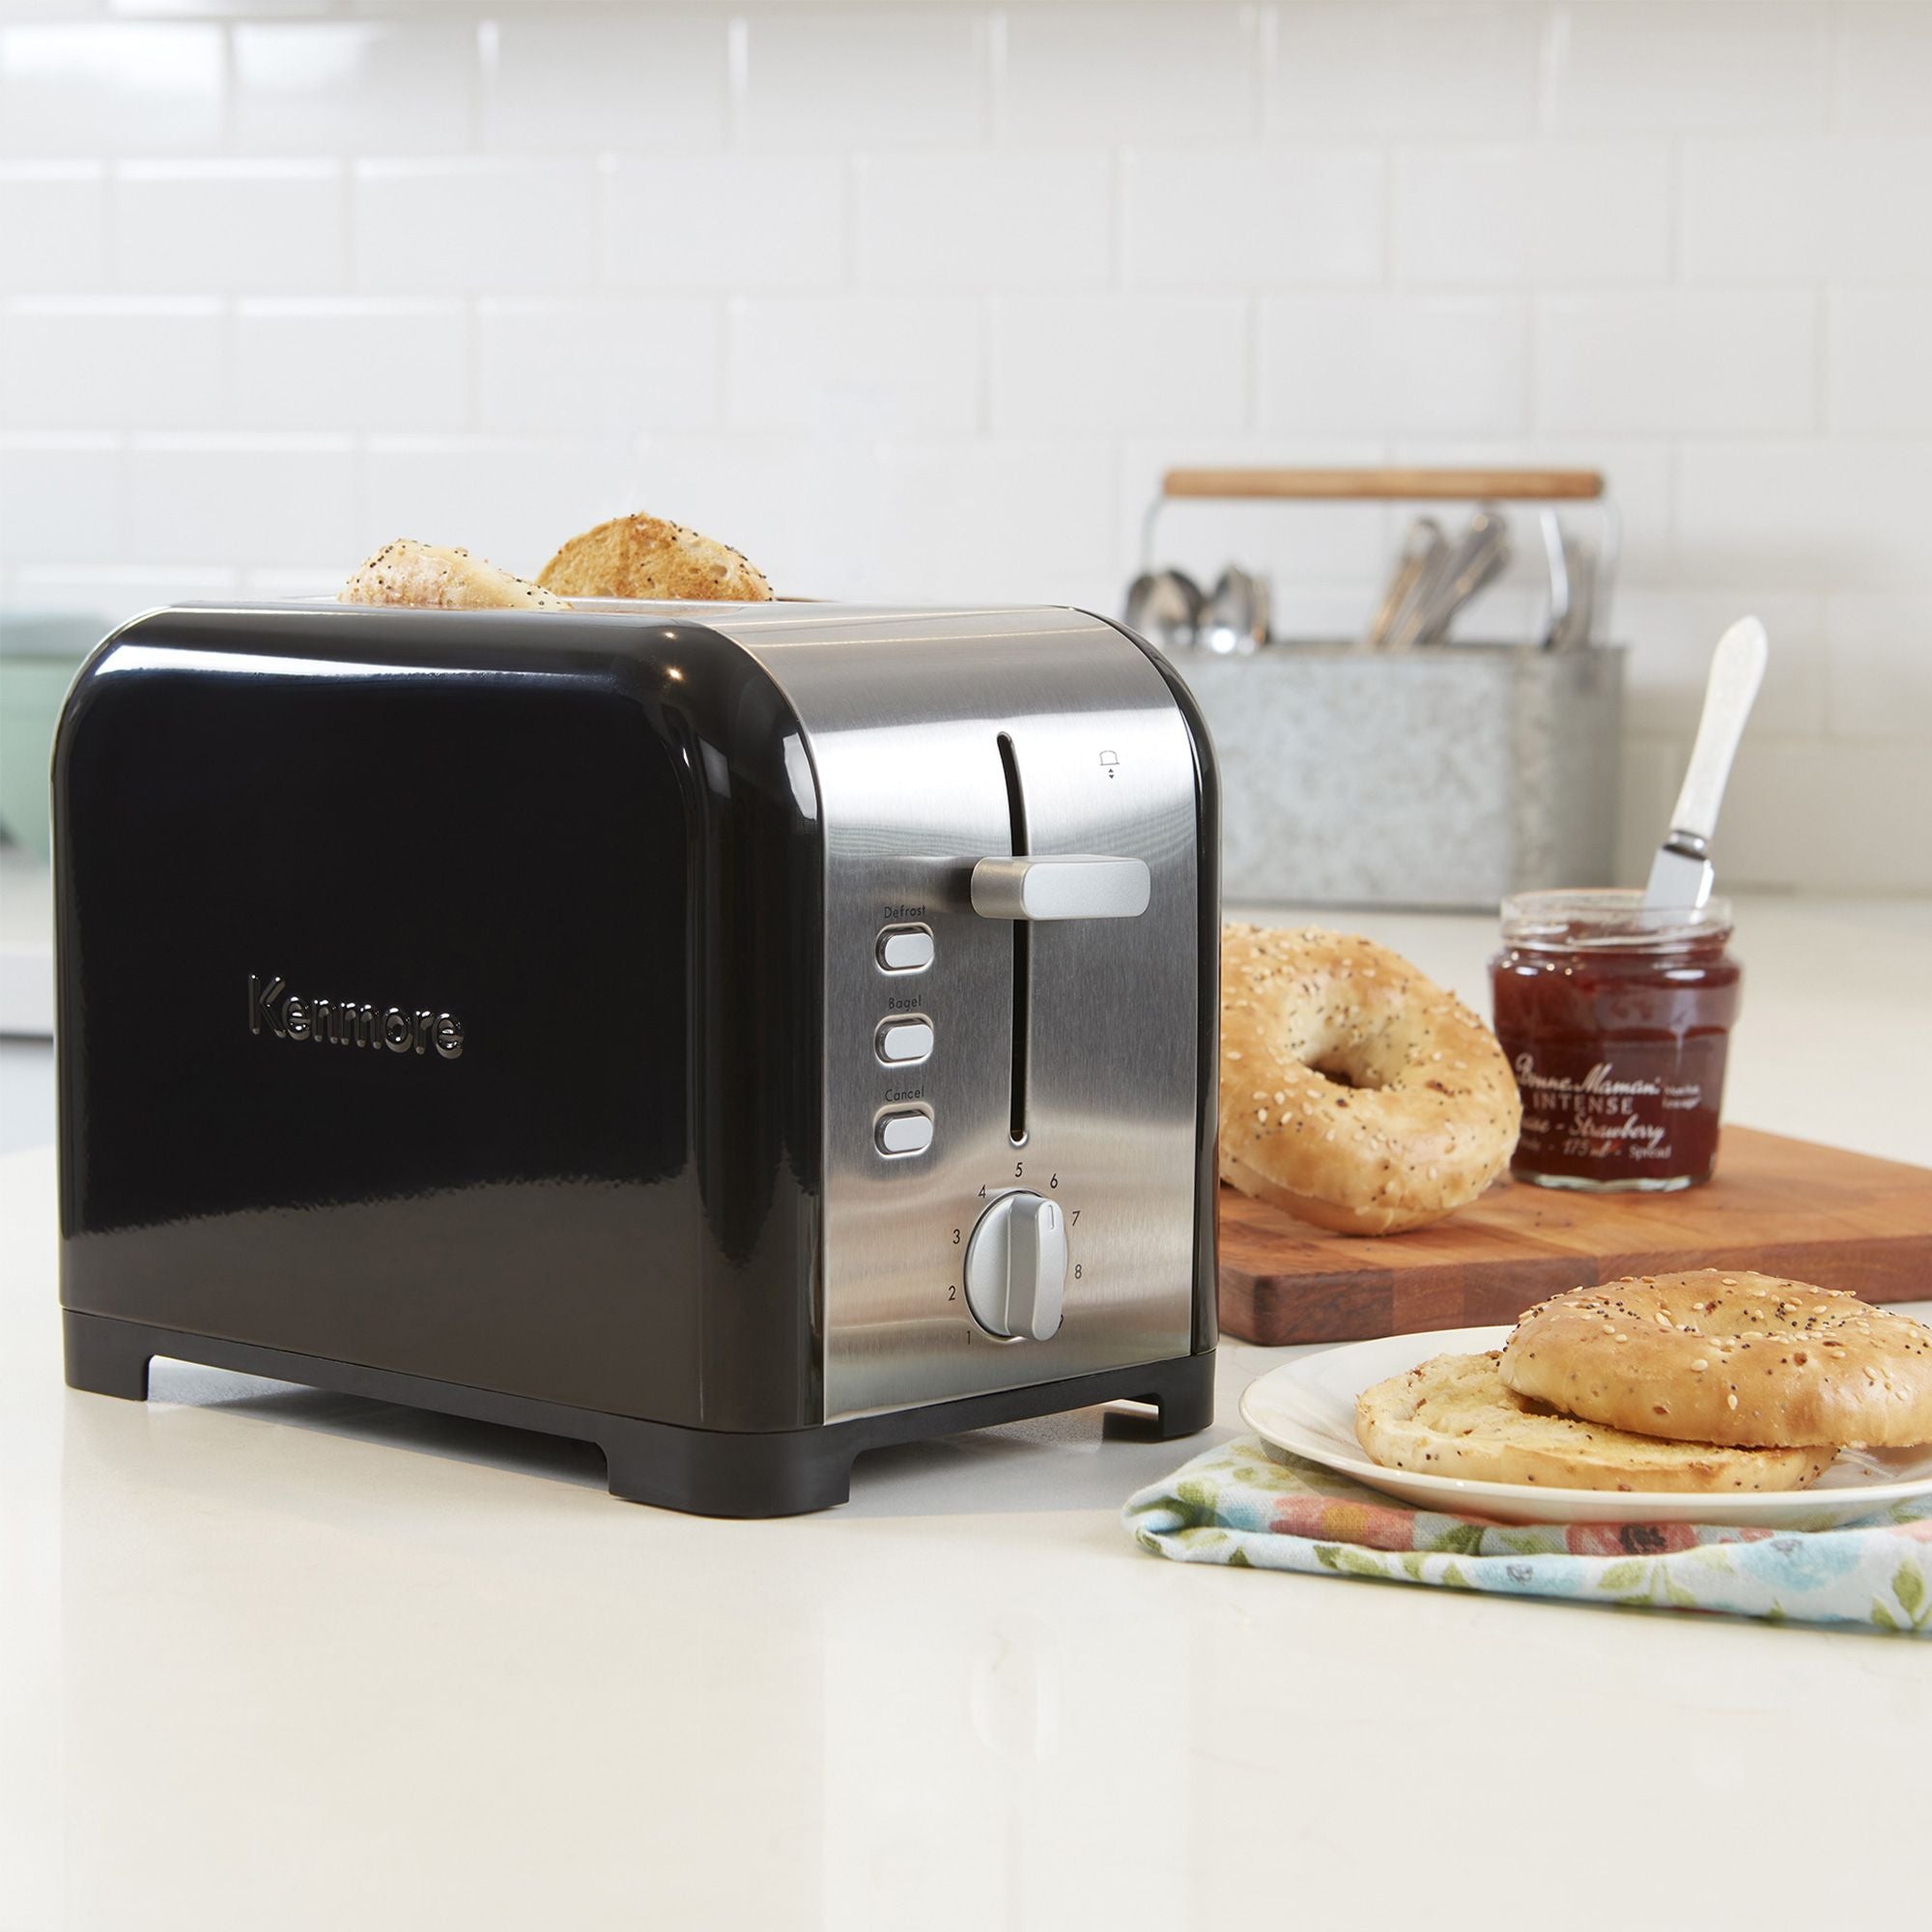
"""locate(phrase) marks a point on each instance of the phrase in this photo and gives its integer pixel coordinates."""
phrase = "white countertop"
(271, 1657)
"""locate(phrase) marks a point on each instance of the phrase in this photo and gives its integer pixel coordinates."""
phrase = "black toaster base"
(703, 1471)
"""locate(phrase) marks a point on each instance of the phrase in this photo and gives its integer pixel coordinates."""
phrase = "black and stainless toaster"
(736, 1035)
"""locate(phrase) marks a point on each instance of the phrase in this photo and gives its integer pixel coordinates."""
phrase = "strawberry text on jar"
(1616, 1019)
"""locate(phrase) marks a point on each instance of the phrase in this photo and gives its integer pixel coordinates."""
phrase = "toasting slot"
(1017, 1126)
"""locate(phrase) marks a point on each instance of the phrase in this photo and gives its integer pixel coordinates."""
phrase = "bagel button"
(903, 1043)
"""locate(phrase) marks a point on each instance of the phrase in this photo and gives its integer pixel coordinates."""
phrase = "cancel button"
(907, 1133)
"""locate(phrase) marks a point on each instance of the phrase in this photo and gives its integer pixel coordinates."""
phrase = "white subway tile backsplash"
(243, 10)
(345, 364)
(1810, 515)
(1153, 74)
(1144, 364)
(865, 366)
(1831, 815)
(1409, 71)
(1879, 368)
(724, 222)
(242, 227)
(808, 510)
(348, 87)
(1533, 213)
(61, 498)
(1247, 219)
(1884, 76)
(918, 300)
(1671, 633)
(1041, 511)
(562, 79)
(114, 592)
(110, 87)
(985, 221)
(1681, 361)
(48, 12)
(110, 363)
(1377, 364)
(845, 77)
(514, 500)
(278, 582)
(1880, 665)
(832, 516)
(53, 216)
(1653, 770)
(1787, 211)
(478, 226)
(566, 365)
(242, 499)
(1668, 67)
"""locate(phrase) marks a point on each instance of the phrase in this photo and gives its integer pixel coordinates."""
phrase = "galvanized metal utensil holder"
(1445, 778)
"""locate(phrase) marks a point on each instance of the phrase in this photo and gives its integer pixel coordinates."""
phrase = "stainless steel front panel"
(903, 714)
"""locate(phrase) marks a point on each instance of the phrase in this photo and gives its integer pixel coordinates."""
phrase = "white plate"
(1308, 1408)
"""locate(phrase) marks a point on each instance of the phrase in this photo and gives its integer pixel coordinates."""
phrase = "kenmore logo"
(347, 1023)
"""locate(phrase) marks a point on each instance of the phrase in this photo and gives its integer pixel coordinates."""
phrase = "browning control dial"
(1016, 1267)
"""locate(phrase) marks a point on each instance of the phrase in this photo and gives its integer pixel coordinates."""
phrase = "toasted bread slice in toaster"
(646, 556)
(411, 573)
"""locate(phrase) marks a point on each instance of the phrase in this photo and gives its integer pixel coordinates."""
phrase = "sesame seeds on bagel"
(1355, 1094)
(1726, 1355)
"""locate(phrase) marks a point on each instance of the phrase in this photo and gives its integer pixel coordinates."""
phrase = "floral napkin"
(1247, 1504)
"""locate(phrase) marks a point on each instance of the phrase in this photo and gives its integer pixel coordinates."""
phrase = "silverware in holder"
(1401, 768)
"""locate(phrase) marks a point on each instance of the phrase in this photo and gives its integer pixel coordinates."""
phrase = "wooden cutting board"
(1784, 1207)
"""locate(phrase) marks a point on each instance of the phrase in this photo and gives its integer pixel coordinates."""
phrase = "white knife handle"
(1737, 670)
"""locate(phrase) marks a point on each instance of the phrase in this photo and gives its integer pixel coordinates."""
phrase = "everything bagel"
(1354, 1092)
(1725, 1355)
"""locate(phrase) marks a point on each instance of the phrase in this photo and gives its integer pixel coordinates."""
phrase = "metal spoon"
(1235, 621)
(1165, 606)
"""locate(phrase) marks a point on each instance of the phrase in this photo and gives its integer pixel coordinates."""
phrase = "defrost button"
(905, 948)
(907, 1133)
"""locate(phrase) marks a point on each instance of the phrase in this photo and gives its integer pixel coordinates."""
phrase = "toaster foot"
(105, 1357)
(787, 1472)
(1184, 1405)
(712, 1472)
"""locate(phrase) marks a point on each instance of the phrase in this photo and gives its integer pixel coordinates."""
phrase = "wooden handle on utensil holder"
(1392, 486)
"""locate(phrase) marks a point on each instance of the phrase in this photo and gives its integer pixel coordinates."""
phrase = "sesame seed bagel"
(1354, 1092)
(646, 556)
(426, 575)
(1454, 1417)
(1725, 1355)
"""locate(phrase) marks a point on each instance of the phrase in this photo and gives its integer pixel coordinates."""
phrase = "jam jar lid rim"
(1550, 920)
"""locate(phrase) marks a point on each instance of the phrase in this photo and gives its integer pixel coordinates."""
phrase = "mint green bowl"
(39, 657)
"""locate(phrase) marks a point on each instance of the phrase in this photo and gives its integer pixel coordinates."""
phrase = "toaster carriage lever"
(1061, 886)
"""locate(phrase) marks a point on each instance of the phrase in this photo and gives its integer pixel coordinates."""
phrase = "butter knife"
(1681, 874)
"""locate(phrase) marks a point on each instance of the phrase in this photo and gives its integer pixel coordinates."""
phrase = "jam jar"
(1615, 1017)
